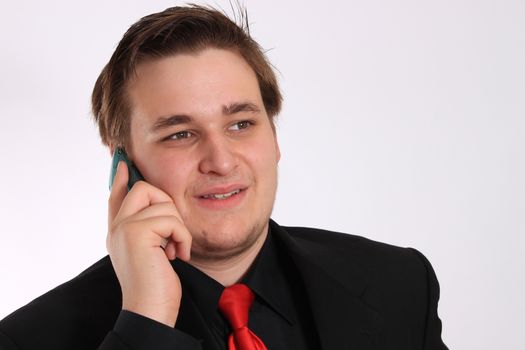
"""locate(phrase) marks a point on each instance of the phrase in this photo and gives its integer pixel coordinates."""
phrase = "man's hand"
(145, 231)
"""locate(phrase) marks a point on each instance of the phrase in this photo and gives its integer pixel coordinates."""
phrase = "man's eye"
(240, 125)
(180, 135)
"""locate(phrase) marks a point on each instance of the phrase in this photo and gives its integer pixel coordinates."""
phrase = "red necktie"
(234, 304)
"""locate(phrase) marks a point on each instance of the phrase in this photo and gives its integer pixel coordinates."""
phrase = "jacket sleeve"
(136, 332)
(130, 332)
(432, 337)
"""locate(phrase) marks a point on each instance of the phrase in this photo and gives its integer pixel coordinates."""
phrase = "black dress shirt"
(280, 314)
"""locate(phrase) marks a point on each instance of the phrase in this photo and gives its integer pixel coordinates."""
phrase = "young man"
(191, 99)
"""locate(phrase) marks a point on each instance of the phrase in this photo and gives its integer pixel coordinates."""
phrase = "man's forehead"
(174, 89)
(209, 59)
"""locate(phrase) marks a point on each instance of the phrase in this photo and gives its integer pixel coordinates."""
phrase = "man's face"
(200, 132)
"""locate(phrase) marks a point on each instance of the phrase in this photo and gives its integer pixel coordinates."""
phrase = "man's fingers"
(146, 208)
(141, 196)
(179, 250)
(183, 250)
(118, 191)
(170, 250)
(170, 228)
(160, 209)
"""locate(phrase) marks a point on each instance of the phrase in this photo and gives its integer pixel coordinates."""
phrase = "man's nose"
(218, 156)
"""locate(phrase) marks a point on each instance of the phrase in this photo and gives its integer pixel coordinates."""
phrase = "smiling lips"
(221, 196)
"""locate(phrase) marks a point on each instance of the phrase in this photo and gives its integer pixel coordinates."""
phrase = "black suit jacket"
(363, 295)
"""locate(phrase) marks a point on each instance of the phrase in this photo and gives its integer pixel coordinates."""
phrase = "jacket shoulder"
(353, 246)
(398, 283)
(388, 267)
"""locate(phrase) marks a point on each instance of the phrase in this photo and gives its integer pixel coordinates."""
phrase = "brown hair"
(174, 30)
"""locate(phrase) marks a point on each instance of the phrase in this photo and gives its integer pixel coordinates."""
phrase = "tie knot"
(234, 304)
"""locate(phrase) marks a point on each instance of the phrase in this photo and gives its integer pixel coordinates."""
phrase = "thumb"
(118, 191)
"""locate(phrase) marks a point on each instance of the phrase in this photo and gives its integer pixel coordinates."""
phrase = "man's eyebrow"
(166, 122)
(240, 107)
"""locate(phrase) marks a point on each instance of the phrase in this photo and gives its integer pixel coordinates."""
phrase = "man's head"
(191, 97)
(173, 31)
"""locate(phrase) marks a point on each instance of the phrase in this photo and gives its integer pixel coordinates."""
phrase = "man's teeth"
(221, 195)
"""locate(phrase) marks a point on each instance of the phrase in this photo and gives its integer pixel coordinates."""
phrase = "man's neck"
(230, 270)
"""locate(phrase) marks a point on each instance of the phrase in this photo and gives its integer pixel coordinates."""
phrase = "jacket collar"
(336, 291)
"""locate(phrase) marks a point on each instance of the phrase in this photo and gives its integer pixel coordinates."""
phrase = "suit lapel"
(336, 292)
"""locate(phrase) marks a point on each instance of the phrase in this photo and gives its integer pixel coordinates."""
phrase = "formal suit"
(363, 295)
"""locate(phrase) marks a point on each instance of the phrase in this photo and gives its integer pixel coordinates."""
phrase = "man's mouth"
(221, 196)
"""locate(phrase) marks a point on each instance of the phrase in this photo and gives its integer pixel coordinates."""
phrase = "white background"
(403, 121)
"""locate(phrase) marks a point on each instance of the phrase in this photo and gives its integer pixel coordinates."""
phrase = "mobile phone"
(134, 174)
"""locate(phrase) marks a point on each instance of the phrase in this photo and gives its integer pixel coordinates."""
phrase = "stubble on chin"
(215, 246)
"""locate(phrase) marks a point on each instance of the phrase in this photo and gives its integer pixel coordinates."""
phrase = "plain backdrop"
(403, 121)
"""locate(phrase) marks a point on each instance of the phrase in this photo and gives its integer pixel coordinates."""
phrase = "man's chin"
(225, 244)
(211, 253)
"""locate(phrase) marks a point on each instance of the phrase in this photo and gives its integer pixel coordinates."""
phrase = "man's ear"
(277, 149)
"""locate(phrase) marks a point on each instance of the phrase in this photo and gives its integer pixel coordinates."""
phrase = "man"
(191, 99)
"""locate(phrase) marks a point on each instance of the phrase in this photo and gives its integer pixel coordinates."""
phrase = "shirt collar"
(203, 290)
(267, 278)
